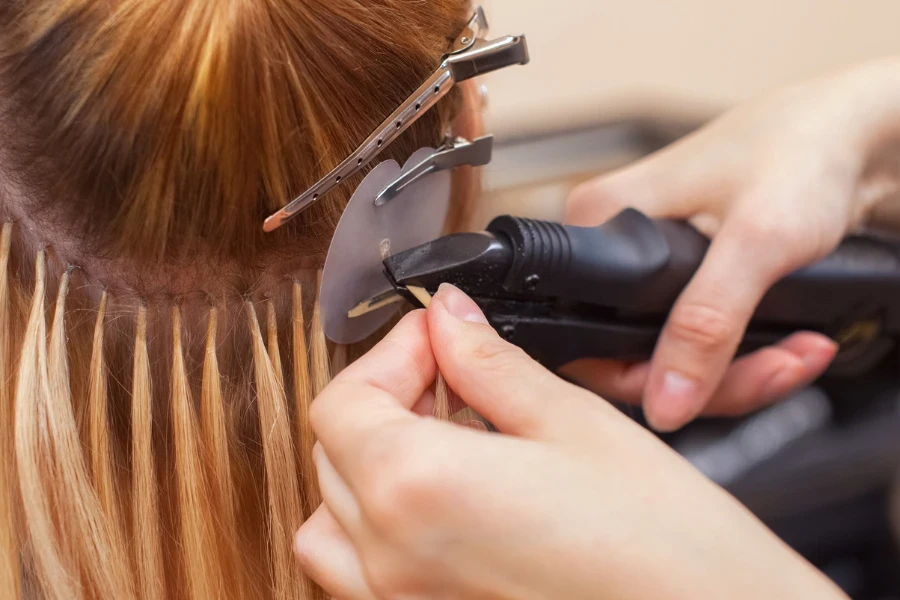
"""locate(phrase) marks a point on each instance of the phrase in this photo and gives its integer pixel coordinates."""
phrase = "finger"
(611, 379)
(750, 383)
(675, 182)
(706, 325)
(770, 374)
(498, 380)
(373, 393)
(327, 556)
(337, 495)
(401, 364)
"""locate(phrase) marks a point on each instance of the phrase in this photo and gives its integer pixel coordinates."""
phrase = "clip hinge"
(477, 29)
(459, 152)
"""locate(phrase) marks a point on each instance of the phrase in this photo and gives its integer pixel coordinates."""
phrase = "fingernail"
(822, 356)
(459, 305)
(675, 404)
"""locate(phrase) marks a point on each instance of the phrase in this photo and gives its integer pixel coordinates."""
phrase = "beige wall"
(594, 59)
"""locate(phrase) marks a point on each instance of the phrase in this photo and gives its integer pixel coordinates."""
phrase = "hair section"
(159, 128)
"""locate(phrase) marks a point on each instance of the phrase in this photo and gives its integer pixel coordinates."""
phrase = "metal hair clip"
(471, 55)
(456, 153)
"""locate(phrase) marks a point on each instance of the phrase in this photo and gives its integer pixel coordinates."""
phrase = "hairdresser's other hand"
(572, 500)
(777, 184)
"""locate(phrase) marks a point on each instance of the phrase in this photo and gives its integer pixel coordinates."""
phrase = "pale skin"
(777, 183)
(572, 499)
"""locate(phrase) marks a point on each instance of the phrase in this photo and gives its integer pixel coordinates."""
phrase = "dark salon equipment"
(821, 469)
(565, 293)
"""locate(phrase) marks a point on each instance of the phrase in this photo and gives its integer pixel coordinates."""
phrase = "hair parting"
(215, 430)
(285, 514)
(196, 528)
(146, 522)
(10, 569)
(303, 396)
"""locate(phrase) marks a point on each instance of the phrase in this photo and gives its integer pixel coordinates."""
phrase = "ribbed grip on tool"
(543, 253)
(630, 260)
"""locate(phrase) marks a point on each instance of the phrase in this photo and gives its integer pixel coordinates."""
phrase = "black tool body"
(565, 293)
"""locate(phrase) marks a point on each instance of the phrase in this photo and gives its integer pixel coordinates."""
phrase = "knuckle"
(323, 407)
(403, 484)
(385, 579)
(782, 244)
(304, 557)
(589, 203)
(496, 353)
(769, 232)
(703, 327)
(318, 410)
(395, 575)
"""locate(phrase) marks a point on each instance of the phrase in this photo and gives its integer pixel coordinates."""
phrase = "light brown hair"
(154, 440)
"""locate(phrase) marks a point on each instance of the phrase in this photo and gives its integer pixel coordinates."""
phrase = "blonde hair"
(154, 439)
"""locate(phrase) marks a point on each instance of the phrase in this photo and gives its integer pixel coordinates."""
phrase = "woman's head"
(158, 129)
(145, 141)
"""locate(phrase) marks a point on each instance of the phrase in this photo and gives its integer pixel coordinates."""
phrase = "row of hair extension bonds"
(92, 519)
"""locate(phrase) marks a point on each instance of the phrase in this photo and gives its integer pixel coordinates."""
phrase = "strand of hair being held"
(444, 399)
(442, 394)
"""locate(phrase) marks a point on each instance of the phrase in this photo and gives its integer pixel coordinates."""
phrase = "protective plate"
(368, 234)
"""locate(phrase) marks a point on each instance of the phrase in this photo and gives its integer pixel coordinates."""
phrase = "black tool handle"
(555, 340)
(632, 269)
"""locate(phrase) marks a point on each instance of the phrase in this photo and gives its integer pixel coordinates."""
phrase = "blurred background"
(611, 78)
(611, 81)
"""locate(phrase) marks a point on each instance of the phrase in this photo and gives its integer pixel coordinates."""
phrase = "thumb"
(498, 380)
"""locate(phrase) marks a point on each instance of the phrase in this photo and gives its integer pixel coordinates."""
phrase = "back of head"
(158, 351)
(153, 128)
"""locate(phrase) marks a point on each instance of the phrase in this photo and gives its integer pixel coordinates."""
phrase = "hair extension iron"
(565, 293)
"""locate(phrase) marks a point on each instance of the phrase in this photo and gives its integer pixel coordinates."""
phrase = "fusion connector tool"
(565, 293)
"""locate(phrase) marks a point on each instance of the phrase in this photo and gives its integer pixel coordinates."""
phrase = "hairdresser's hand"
(777, 183)
(573, 501)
